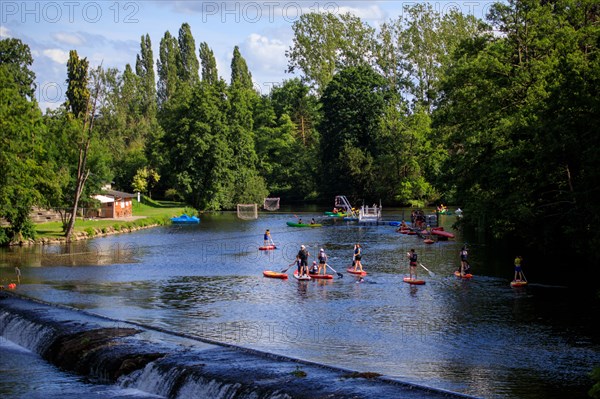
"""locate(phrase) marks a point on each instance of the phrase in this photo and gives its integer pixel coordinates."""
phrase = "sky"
(109, 32)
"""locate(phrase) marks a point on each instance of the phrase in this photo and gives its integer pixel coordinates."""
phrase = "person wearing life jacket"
(322, 261)
(314, 269)
(412, 263)
(303, 255)
(463, 260)
(357, 257)
(519, 276)
(267, 238)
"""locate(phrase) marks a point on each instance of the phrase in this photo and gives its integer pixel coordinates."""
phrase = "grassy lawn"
(154, 210)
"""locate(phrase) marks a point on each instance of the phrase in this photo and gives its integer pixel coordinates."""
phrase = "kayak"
(267, 247)
(294, 224)
(321, 276)
(468, 275)
(185, 219)
(272, 274)
(413, 281)
(439, 231)
(518, 283)
(351, 271)
(336, 215)
(301, 278)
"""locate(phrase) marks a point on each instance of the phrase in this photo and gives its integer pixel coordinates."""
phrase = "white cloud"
(71, 39)
(371, 13)
(57, 55)
(264, 53)
(4, 32)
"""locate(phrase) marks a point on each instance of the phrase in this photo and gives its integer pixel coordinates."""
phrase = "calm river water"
(478, 337)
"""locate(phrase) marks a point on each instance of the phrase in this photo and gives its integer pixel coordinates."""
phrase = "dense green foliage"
(498, 116)
(520, 116)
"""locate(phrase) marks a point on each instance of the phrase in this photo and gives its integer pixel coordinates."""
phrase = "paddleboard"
(351, 271)
(301, 277)
(413, 281)
(518, 283)
(428, 241)
(321, 276)
(272, 274)
(267, 247)
(468, 275)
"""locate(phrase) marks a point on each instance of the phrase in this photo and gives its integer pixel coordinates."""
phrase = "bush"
(91, 232)
(3, 236)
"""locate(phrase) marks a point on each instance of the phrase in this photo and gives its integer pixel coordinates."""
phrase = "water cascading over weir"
(175, 365)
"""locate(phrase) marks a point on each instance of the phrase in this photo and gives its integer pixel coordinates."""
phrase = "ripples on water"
(478, 337)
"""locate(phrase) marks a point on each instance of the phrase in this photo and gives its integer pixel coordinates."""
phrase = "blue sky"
(110, 31)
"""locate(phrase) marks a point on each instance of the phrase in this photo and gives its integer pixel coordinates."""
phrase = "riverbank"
(147, 215)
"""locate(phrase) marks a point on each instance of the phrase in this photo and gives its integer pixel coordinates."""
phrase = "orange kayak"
(272, 274)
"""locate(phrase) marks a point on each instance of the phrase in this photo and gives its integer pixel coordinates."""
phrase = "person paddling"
(357, 257)
(267, 239)
(412, 263)
(519, 276)
(303, 255)
(463, 260)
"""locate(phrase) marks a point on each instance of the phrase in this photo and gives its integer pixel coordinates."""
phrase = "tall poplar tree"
(144, 68)
(188, 64)
(249, 185)
(167, 68)
(210, 74)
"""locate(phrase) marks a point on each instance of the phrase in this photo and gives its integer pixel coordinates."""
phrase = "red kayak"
(352, 271)
(439, 231)
(267, 247)
(413, 281)
(468, 275)
(272, 274)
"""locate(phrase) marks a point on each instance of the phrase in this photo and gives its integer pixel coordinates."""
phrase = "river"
(478, 337)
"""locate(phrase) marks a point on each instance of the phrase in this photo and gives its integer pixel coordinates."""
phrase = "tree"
(327, 43)
(426, 42)
(187, 63)
(77, 75)
(197, 153)
(249, 185)
(209, 64)
(293, 98)
(144, 180)
(518, 116)
(15, 58)
(77, 93)
(144, 69)
(353, 104)
(167, 66)
(28, 176)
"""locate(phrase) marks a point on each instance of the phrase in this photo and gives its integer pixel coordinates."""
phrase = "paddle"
(338, 273)
(430, 272)
(288, 268)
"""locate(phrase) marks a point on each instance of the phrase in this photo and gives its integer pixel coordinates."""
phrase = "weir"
(175, 365)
